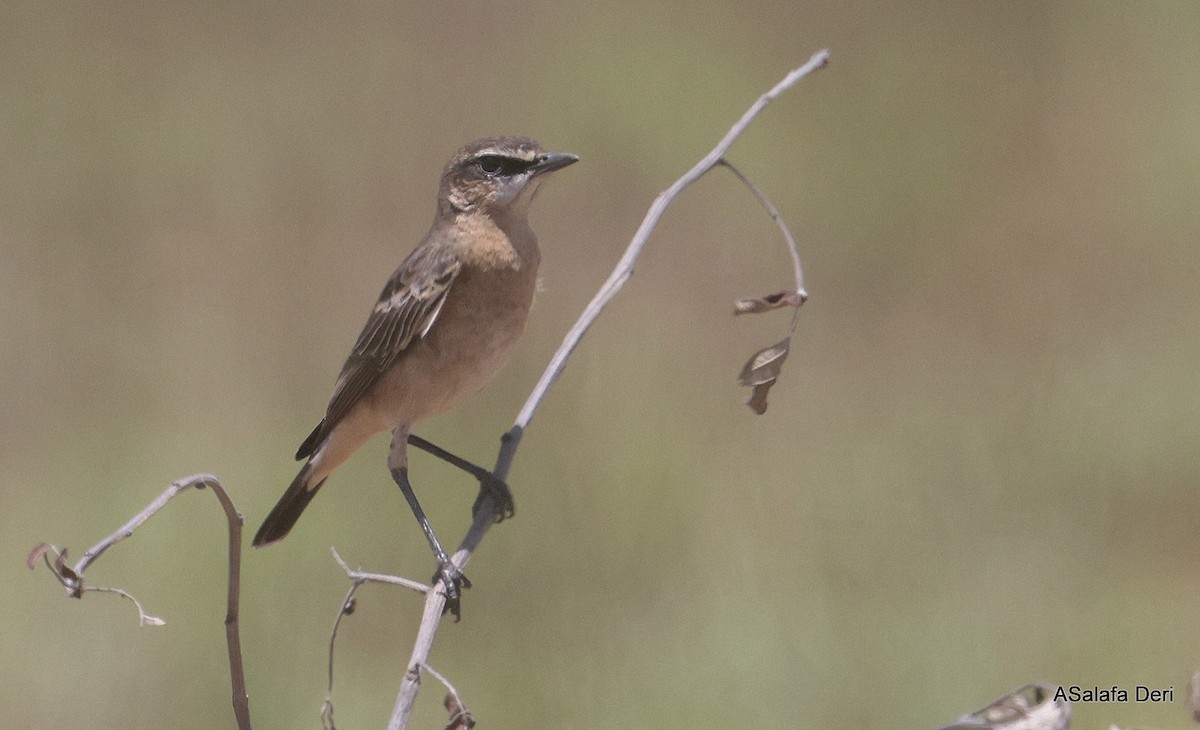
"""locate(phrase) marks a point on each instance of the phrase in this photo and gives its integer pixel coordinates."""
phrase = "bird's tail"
(289, 508)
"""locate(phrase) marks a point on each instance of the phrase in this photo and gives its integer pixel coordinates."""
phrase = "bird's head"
(497, 175)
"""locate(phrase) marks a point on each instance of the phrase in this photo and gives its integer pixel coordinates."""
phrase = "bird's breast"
(469, 342)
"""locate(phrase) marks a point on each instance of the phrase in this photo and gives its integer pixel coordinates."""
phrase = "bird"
(445, 323)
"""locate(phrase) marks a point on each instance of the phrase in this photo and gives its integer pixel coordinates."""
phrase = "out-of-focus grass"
(978, 469)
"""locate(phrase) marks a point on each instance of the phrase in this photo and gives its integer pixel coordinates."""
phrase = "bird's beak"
(552, 161)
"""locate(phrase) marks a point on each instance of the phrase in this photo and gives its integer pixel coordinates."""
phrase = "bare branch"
(197, 481)
(361, 576)
(349, 603)
(489, 511)
(73, 582)
(347, 608)
(144, 619)
(233, 641)
(72, 578)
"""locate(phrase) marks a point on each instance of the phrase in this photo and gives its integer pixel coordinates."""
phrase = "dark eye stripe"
(501, 165)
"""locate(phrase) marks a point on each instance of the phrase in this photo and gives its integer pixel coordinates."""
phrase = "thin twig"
(438, 676)
(196, 481)
(72, 578)
(144, 619)
(486, 515)
(365, 577)
(233, 640)
(359, 578)
(460, 716)
(776, 216)
(74, 585)
(793, 249)
(346, 609)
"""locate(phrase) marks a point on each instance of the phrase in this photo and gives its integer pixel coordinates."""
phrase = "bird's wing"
(407, 308)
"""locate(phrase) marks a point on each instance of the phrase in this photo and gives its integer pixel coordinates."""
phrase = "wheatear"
(444, 325)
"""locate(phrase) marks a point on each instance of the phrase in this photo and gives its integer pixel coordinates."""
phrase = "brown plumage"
(444, 324)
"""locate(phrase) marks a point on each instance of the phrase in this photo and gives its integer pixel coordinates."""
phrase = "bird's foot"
(495, 488)
(453, 583)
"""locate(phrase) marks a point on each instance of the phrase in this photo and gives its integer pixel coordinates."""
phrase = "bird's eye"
(491, 164)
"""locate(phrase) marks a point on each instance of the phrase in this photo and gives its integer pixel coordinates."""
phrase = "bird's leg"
(489, 483)
(450, 574)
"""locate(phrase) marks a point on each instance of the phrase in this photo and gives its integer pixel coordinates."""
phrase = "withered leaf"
(761, 372)
(778, 300)
(36, 554)
(758, 397)
(460, 717)
(61, 567)
(765, 364)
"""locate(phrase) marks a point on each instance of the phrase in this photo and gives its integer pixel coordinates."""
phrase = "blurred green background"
(979, 467)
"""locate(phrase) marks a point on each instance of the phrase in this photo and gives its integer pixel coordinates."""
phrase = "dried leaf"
(770, 302)
(764, 366)
(1032, 707)
(460, 717)
(758, 398)
(761, 372)
(153, 621)
(64, 570)
(36, 554)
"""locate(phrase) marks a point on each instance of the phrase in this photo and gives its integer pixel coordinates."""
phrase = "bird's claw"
(491, 486)
(453, 583)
